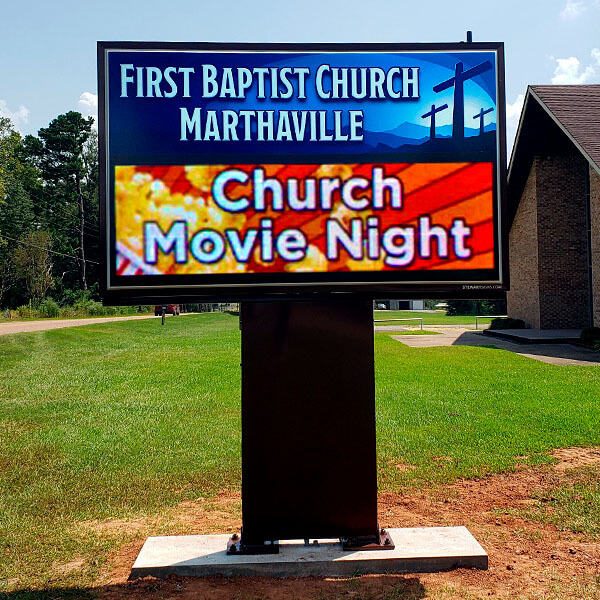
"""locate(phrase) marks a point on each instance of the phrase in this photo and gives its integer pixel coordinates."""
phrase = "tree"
(6, 137)
(8, 274)
(17, 178)
(476, 307)
(33, 264)
(63, 164)
(91, 195)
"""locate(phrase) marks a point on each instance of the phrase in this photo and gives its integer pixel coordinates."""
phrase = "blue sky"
(48, 48)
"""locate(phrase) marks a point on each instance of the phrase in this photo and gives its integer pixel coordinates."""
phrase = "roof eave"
(531, 92)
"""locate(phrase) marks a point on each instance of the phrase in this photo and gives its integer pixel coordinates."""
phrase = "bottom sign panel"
(309, 465)
(283, 219)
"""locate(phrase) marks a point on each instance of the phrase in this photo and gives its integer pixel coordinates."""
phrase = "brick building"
(554, 209)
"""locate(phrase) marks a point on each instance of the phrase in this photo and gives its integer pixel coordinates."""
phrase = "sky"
(48, 48)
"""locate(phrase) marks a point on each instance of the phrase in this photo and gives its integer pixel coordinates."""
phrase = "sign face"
(246, 171)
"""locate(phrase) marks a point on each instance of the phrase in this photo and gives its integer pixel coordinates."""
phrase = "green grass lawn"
(575, 507)
(129, 418)
(429, 318)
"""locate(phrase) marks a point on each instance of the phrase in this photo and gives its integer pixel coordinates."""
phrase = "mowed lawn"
(429, 318)
(127, 419)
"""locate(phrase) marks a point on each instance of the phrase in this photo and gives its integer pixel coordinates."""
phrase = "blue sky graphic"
(148, 119)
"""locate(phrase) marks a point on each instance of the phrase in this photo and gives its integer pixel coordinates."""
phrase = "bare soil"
(527, 560)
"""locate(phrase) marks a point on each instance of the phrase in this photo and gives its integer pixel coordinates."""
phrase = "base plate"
(235, 547)
(382, 540)
(417, 550)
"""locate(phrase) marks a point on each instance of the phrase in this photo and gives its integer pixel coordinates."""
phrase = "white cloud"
(513, 111)
(513, 114)
(88, 106)
(570, 71)
(18, 118)
(573, 9)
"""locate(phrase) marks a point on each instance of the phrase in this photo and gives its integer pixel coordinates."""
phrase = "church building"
(554, 209)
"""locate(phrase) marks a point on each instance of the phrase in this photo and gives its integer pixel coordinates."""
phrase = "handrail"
(488, 317)
(406, 319)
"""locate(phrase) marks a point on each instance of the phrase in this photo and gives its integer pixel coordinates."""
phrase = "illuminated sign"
(243, 171)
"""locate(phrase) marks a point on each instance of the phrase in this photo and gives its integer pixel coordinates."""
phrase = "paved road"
(24, 326)
(554, 354)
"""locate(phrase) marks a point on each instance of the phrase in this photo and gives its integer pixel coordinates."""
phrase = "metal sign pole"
(308, 426)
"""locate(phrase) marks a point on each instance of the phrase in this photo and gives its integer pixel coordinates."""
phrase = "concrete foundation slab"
(536, 336)
(418, 550)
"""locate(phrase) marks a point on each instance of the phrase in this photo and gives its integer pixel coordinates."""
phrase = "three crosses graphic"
(458, 111)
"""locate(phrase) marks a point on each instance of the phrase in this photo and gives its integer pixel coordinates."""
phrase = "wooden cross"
(432, 114)
(460, 76)
(480, 116)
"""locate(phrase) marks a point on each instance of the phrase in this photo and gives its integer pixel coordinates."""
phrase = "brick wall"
(561, 187)
(595, 219)
(523, 298)
(548, 245)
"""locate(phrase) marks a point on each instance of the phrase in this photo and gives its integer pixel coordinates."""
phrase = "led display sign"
(249, 171)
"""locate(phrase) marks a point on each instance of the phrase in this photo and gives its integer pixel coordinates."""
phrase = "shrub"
(590, 336)
(73, 297)
(67, 311)
(507, 323)
(461, 307)
(95, 309)
(475, 307)
(48, 309)
(82, 307)
(26, 311)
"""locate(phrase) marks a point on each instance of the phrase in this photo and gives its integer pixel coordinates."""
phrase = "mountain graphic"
(412, 134)
(405, 138)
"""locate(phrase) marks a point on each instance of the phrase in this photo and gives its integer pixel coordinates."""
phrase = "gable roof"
(555, 120)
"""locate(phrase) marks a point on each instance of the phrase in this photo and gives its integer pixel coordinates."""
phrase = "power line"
(43, 223)
(59, 209)
(6, 237)
(62, 211)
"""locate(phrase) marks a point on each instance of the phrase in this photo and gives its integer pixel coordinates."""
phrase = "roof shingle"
(577, 110)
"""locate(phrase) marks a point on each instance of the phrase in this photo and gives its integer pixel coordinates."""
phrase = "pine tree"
(63, 166)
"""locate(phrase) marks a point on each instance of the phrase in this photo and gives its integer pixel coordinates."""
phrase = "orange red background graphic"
(433, 198)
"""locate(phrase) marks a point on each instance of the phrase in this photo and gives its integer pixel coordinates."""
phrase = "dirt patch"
(219, 514)
(570, 458)
(442, 458)
(204, 515)
(527, 560)
(404, 467)
(116, 526)
(368, 587)
(68, 567)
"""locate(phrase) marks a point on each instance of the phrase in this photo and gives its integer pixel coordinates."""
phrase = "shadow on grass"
(552, 350)
(368, 587)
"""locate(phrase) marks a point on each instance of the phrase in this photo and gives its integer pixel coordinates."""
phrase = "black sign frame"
(197, 288)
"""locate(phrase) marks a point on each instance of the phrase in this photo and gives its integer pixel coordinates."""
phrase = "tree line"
(49, 233)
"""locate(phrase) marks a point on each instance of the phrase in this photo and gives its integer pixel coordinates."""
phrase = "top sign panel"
(246, 171)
